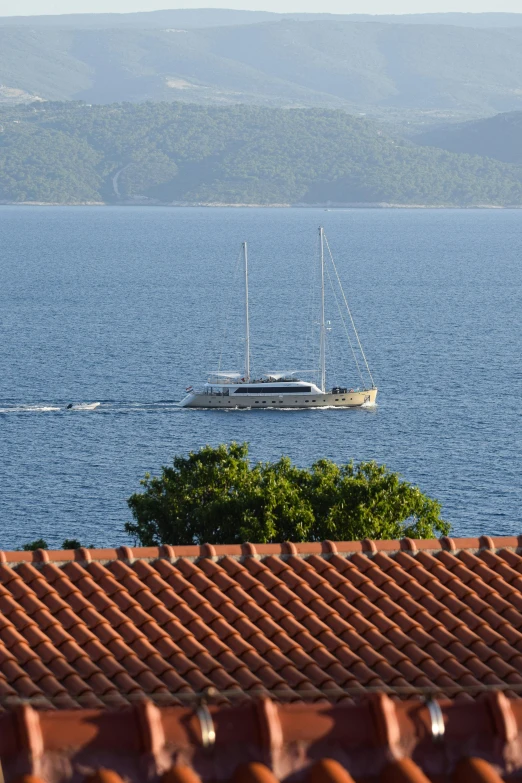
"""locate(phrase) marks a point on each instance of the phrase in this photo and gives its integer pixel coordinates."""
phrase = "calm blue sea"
(127, 306)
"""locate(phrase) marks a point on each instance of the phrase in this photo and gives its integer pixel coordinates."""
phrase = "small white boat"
(284, 389)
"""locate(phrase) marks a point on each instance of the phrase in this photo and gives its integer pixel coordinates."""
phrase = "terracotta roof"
(98, 628)
(376, 741)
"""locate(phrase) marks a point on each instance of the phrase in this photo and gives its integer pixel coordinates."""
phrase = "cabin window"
(314, 400)
(337, 399)
(273, 389)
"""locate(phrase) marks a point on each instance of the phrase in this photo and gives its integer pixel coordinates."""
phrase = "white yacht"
(284, 389)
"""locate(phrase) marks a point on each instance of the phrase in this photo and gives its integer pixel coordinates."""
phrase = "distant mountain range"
(222, 17)
(497, 137)
(171, 152)
(427, 70)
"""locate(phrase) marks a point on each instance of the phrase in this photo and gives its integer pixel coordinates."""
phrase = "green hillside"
(377, 68)
(497, 137)
(72, 153)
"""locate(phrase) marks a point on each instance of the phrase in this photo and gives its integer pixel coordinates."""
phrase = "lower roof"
(260, 741)
(377, 740)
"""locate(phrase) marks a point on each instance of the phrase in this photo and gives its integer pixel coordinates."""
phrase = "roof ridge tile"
(369, 547)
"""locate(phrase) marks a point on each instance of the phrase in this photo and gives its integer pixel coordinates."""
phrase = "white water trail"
(29, 409)
(47, 407)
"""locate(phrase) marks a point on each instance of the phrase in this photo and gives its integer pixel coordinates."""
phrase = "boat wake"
(107, 406)
(28, 408)
(293, 409)
(6, 408)
(125, 407)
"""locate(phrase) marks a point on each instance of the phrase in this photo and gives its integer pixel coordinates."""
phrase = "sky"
(28, 7)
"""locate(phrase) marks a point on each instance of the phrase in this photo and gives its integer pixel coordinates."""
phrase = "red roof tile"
(291, 621)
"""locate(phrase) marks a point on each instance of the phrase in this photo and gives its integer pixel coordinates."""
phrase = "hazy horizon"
(50, 7)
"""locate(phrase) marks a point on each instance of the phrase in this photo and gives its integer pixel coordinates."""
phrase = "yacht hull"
(356, 399)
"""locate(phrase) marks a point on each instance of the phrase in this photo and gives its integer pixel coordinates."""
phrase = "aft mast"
(247, 319)
(322, 351)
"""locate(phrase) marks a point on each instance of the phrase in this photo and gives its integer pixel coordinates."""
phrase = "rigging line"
(331, 356)
(225, 328)
(334, 358)
(310, 332)
(349, 312)
(345, 327)
(328, 356)
(313, 322)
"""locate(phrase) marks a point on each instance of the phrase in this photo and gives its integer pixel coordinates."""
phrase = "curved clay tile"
(475, 770)
(329, 771)
(180, 774)
(253, 773)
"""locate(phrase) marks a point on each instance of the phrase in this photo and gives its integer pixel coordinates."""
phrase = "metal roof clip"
(437, 720)
(208, 731)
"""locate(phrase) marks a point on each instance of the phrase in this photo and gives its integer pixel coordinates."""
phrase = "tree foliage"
(41, 543)
(216, 496)
(32, 546)
(497, 137)
(183, 153)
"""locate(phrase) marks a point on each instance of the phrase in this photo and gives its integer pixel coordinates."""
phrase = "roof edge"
(325, 549)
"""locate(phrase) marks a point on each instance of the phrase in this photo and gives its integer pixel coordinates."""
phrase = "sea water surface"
(127, 306)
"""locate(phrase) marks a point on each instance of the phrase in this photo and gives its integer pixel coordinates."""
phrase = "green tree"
(216, 496)
(32, 546)
(40, 543)
(71, 543)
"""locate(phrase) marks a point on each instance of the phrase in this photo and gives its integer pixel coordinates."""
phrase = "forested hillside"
(73, 153)
(368, 67)
(497, 137)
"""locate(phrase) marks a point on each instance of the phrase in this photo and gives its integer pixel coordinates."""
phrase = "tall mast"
(247, 319)
(322, 352)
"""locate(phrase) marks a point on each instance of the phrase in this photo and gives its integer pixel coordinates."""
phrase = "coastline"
(188, 205)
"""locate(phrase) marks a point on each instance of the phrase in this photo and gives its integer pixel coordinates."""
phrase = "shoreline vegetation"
(163, 154)
(210, 205)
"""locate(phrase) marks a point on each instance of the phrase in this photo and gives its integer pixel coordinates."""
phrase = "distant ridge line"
(217, 17)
